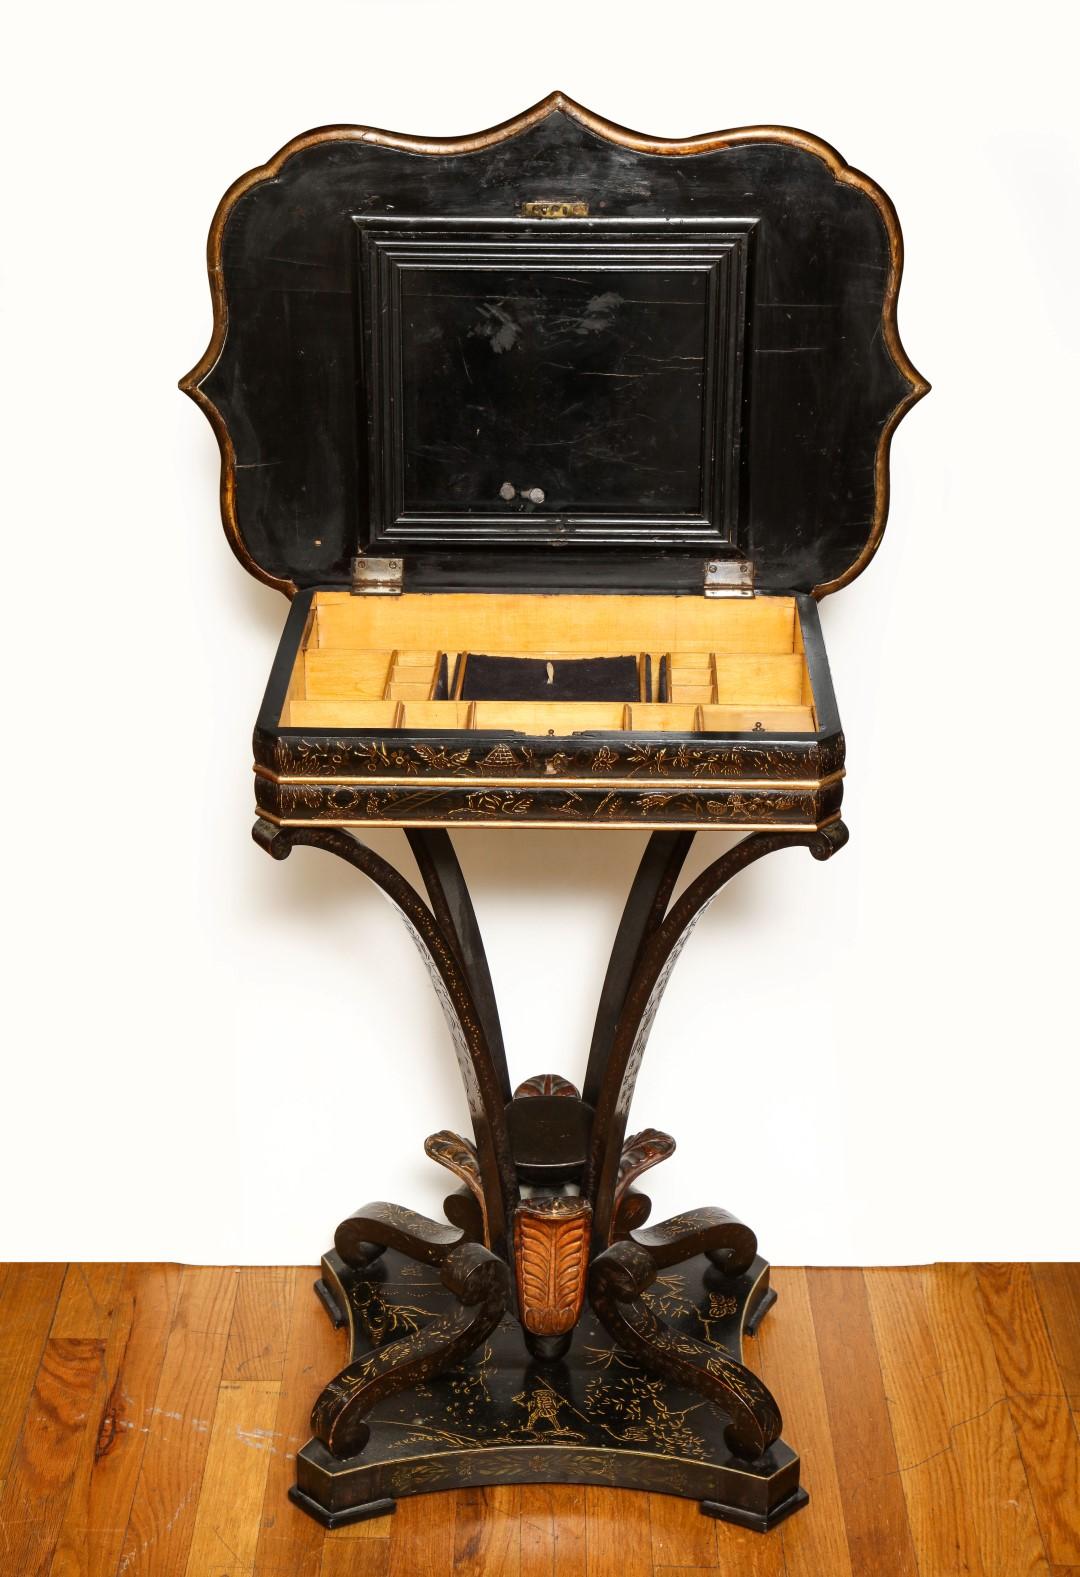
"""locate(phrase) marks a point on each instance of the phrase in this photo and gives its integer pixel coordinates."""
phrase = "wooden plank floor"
(149, 1417)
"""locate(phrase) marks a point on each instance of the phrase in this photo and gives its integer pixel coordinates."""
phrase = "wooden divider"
(374, 662)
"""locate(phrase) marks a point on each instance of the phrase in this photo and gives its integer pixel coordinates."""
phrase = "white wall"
(213, 1057)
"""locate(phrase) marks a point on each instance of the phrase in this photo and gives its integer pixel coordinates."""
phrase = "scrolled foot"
(727, 1241)
(617, 1279)
(364, 1235)
(275, 840)
(482, 1284)
(829, 840)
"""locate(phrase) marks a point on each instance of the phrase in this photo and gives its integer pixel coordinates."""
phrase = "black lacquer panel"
(825, 377)
(553, 382)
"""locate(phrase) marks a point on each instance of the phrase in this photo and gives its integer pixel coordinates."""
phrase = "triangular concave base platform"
(593, 1417)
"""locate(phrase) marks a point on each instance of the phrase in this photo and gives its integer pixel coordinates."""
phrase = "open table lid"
(556, 355)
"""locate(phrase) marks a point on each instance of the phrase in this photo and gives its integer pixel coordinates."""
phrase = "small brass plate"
(543, 209)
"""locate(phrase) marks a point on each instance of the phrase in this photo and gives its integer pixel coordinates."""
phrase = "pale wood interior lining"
(373, 662)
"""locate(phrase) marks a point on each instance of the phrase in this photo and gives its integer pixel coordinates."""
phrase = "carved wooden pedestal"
(547, 1334)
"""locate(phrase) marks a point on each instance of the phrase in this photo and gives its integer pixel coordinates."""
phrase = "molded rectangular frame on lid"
(562, 386)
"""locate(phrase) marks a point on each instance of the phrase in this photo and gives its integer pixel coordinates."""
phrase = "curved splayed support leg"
(729, 1279)
(608, 1390)
(449, 942)
(452, 907)
(480, 1283)
(658, 954)
(650, 893)
(618, 1278)
(482, 1065)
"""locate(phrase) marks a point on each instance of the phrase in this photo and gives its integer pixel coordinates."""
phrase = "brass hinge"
(373, 577)
(729, 578)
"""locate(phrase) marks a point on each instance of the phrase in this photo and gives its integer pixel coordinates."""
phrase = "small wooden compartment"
(755, 678)
(725, 715)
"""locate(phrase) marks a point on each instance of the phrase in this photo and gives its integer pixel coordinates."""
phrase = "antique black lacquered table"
(554, 436)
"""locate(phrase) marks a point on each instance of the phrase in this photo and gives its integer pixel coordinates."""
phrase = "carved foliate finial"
(551, 1258)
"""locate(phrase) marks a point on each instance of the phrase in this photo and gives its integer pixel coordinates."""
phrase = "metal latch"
(729, 578)
(374, 577)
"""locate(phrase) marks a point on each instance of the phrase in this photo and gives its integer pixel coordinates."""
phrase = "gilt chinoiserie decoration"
(554, 435)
